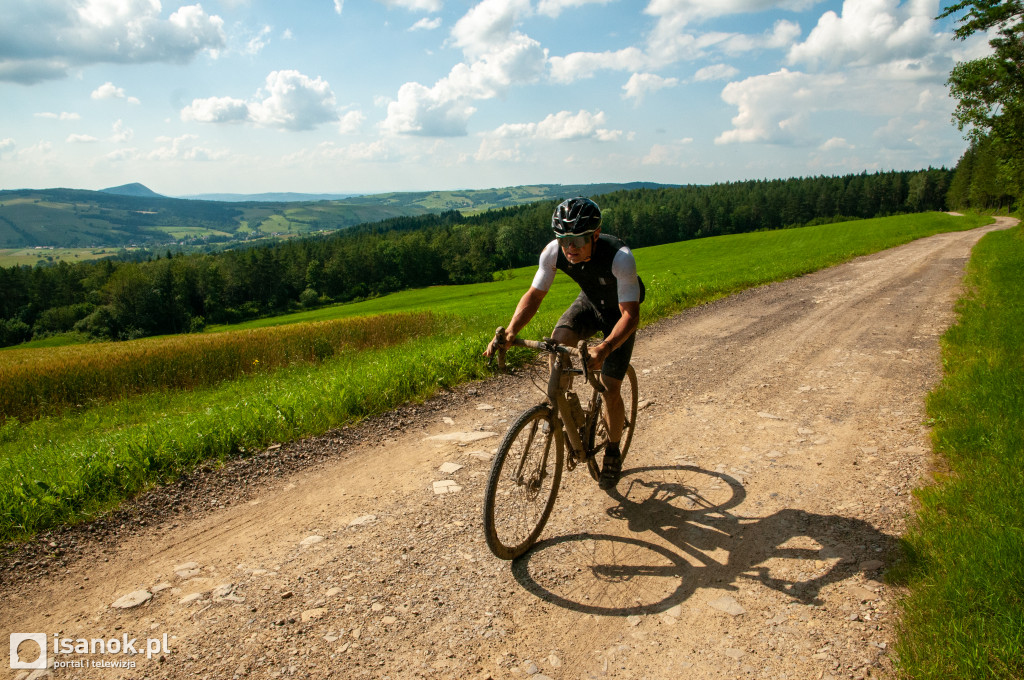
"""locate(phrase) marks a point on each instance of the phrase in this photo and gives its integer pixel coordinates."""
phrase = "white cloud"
(331, 153)
(498, 57)
(715, 72)
(183, 148)
(110, 91)
(870, 32)
(351, 122)
(43, 39)
(640, 84)
(339, 5)
(290, 101)
(121, 134)
(6, 144)
(414, 5)
(63, 115)
(426, 24)
(563, 125)
(585, 64)
(81, 139)
(878, 58)
(216, 110)
(780, 36)
(835, 143)
(667, 154)
(257, 42)
(553, 8)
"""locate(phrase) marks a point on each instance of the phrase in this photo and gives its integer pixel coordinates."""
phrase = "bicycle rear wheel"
(523, 484)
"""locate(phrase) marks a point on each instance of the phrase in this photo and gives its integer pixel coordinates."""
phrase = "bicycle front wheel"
(523, 483)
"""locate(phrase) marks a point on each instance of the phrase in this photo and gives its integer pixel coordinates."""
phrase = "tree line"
(179, 293)
(990, 106)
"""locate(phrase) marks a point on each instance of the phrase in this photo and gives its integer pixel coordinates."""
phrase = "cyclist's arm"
(623, 328)
(624, 270)
(530, 302)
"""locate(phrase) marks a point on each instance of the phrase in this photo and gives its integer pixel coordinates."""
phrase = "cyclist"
(609, 301)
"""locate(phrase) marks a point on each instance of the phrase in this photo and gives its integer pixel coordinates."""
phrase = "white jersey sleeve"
(624, 270)
(545, 275)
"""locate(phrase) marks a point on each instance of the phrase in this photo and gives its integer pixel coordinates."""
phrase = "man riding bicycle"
(609, 301)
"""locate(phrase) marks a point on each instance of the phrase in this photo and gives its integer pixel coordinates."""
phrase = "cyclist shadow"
(695, 542)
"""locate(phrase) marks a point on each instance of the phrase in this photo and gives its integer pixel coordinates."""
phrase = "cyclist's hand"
(493, 346)
(597, 356)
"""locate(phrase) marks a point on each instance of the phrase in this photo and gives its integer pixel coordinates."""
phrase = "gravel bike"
(527, 468)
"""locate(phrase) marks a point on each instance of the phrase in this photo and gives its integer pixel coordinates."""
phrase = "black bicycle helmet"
(576, 216)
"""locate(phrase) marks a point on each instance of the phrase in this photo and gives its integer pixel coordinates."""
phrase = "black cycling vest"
(595, 276)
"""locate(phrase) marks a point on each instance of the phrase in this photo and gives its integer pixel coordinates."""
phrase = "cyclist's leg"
(612, 373)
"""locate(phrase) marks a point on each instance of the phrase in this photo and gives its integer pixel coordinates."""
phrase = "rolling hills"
(134, 215)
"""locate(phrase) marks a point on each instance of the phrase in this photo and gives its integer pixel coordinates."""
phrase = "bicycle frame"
(560, 363)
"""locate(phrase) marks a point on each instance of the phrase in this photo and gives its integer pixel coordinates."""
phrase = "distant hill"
(280, 197)
(133, 215)
(133, 189)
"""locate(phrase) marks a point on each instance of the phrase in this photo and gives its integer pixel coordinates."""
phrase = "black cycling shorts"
(585, 320)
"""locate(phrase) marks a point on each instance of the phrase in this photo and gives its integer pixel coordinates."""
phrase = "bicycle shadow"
(696, 543)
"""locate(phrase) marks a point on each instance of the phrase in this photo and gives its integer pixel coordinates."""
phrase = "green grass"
(964, 617)
(60, 469)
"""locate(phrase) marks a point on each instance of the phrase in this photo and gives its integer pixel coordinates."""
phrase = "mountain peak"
(133, 189)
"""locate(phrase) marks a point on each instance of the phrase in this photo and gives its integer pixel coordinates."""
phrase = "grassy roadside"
(964, 616)
(62, 468)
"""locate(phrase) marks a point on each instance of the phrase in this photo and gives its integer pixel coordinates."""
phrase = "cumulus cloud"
(68, 34)
(553, 8)
(110, 91)
(835, 143)
(426, 24)
(497, 57)
(673, 40)
(63, 115)
(351, 122)
(667, 154)
(6, 144)
(329, 152)
(289, 101)
(878, 58)
(81, 139)
(715, 72)
(339, 5)
(640, 84)
(563, 125)
(870, 32)
(414, 5)
(183, 148)
(121, 134)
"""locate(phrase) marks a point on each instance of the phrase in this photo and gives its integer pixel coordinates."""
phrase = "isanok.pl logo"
(22, 653)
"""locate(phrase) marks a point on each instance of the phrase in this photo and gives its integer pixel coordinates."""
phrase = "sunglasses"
(574, 240)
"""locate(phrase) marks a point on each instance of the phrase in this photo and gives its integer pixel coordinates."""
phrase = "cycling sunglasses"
(574, 240)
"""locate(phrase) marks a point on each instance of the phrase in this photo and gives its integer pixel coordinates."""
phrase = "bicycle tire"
(517, 508)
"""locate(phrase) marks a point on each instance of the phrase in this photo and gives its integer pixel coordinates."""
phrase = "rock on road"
(766, 487)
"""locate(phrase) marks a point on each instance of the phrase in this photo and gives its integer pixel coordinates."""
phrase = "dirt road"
(795, 411)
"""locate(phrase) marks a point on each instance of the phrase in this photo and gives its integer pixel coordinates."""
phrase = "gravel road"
(781, 436)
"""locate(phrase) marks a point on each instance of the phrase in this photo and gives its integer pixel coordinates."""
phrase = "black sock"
(612, 449)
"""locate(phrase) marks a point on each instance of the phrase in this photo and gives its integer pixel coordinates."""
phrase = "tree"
(990, 91)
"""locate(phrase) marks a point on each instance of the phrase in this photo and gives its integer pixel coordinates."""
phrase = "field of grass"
(14, 257)
(964, 617)
(62, 467)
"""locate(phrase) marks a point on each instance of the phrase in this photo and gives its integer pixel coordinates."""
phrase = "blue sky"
(355, 96)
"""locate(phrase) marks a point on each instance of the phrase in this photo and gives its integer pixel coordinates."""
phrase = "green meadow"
(83, 457)
(964, 617)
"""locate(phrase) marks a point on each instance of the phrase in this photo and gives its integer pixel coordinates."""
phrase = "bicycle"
(526, 472)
